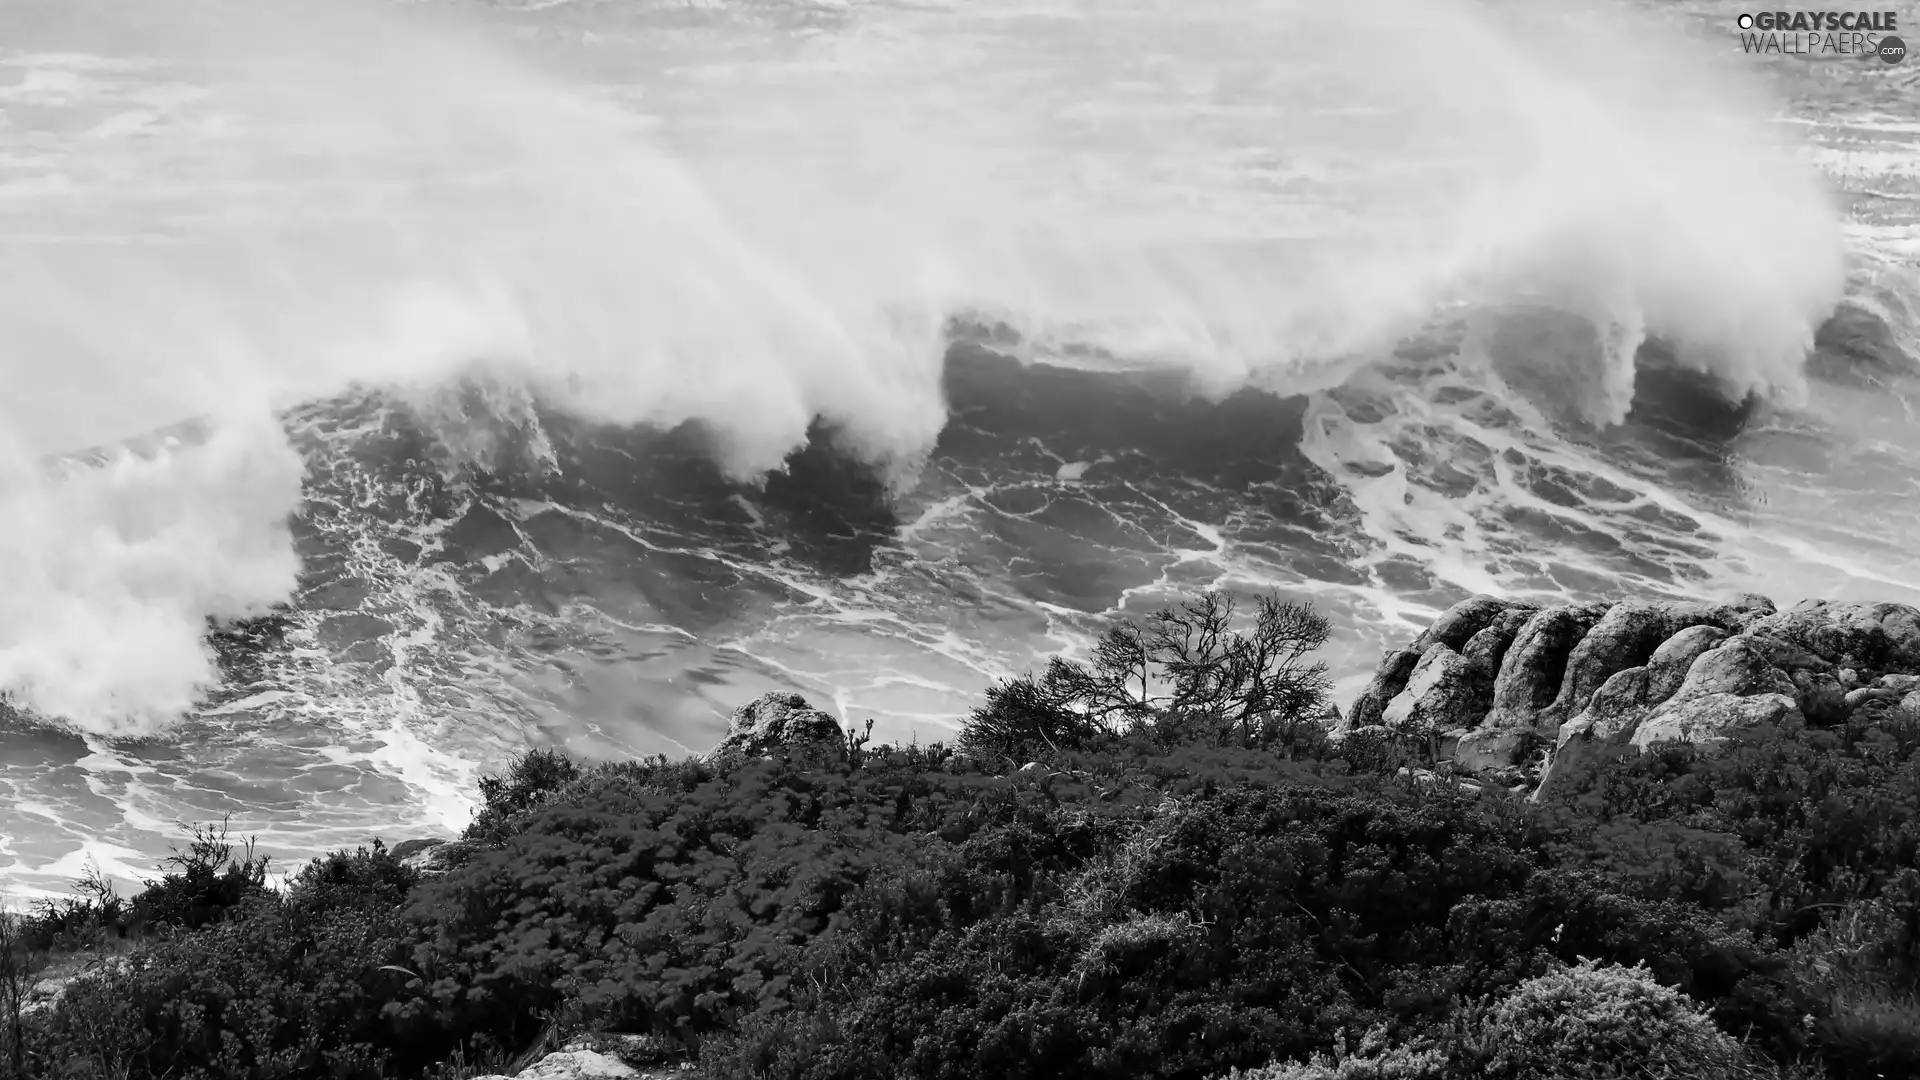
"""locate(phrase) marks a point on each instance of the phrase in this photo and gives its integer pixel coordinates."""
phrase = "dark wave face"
(1153, 378)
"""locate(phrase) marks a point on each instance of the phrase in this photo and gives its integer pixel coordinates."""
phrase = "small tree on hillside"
(1184, 674)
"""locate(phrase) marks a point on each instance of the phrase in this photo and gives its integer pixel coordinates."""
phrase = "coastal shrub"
(1137, 913)
(1228, 929)
(21, 959)
(1184, 675)
(265, 994)
(368, 877)
(1603, 1022)
(1860, 964)
(531, 779)
(1825, 818)
(209, 879)
(1565, 914)
(1375, 1059)
(656, 911)
(76, 921)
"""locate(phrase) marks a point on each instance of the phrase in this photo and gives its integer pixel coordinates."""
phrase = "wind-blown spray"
(325, 194)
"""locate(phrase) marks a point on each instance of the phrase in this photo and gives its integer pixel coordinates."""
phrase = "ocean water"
(499, 375)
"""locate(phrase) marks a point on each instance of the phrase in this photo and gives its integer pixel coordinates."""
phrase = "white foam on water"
(369, 193)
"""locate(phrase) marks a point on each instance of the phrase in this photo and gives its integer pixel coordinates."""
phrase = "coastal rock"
(1668, 666)
(1734, 667)
(1488, 648)
(1328, 716)
(1741, 612)
(775, 723)
(1479, 628)
(1593, 680)
(1630, 634)
(52, 983)
(1445, 691)
(1466, 619)
(1820, 697)
(1624, 637)
(639, 1051)
(432, 857)
(1487, 749)
(1712, 720)
(1875, 637)
(1535, 666)
(574, 1065)
(1577, 756)
(1601, 731)
(1396, 667)
(1617, 706)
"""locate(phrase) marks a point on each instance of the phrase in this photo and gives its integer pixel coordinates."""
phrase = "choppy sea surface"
(502, 375)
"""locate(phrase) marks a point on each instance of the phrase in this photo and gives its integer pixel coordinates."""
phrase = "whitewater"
(389, 387)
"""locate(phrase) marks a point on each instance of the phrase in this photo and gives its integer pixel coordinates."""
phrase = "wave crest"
(362, 194)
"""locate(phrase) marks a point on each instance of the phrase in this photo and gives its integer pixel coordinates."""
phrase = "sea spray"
(110, 572)
(325, 194)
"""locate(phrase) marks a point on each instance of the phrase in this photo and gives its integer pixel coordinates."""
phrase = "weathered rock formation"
(779, 722)
(433, 857)
(1496, 685)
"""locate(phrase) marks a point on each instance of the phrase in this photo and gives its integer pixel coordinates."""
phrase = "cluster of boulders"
(1525, 694)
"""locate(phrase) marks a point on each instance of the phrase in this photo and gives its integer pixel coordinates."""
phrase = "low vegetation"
(1154, 865)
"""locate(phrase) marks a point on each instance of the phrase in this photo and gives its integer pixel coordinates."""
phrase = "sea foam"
(294, 197)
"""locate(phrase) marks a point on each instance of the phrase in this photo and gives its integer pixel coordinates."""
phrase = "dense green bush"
(532, 779)
(1596, 1022)
(269, 995)
(368, 878)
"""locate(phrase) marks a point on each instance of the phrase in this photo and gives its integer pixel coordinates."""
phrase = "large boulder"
(780, 723)
(1871, 637)
(1599, 733)
(1488, 648)
(574, 1065)
(1446, 690)
(1730, 691)
(1487, 749)
(1668, 666)
(1464, 620)
(1536, 664)
(1396, 667)
(1626, 636)
(1735, 667)
(1713, 720)
(1618, 705)
(433, 857)
(1479, 628)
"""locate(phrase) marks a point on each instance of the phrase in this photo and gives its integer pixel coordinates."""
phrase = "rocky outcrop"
(606, 1057)
(433, 857)
(574, 1065)
(1501, 687)
(779, 723)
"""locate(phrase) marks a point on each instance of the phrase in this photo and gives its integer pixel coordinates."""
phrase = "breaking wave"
(291, 200)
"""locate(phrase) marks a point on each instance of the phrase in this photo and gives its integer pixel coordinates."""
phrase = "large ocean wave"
(293, 199)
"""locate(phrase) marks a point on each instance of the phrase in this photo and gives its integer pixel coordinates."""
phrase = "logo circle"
(1892, 50)
(1745, 22)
